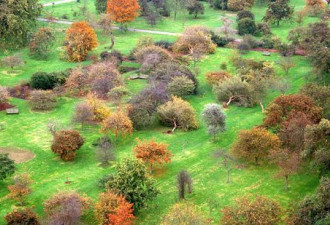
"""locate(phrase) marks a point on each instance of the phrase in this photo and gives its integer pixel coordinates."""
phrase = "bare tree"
(12, 61)
(184, 183)
(227, 161)
(286, 64)
(106, 24)
(105, 151)
(83, 113)
(226, 29)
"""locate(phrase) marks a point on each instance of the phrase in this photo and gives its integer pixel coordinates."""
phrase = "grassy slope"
(28, 130)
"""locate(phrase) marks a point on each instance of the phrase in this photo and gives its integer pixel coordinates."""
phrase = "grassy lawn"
(192, 150)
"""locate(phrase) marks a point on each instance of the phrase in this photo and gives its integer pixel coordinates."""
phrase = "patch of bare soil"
(18, 155)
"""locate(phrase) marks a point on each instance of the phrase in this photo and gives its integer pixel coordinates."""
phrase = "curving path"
(57, 2)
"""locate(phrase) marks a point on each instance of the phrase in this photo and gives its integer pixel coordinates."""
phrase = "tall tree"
(17, 19)
(184, 183)
(227, 161)
(101, 6)
(119, 123)
(277, 11)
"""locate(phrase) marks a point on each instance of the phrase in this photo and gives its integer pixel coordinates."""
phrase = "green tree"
(131, 180)
(101, 6)
(195, 7)
(41, 43)
(7, 166)
(214, 118)
(17, 18)
(277, 11)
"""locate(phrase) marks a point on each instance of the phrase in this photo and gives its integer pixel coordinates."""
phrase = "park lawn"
(192, 150)
(211, 18)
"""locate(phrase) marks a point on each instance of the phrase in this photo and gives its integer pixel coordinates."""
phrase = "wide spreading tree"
(255, 145)
(17, 18)
(277, 11)
(151, 152)
(119, 123)
(80, 39)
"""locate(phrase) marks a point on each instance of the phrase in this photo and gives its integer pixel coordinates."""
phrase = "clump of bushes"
(246, 26)
(42, 100)
(214, 78)
(47, 81)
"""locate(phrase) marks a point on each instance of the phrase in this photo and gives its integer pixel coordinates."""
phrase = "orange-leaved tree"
(123, 11)
(80, 39)
(151, 152)
(113, 209)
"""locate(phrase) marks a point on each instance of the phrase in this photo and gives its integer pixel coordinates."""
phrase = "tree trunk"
(256, 161)
(262, 106)
(229, 101)
(112, 40)
(286, 182)
(175, 126)
(228, 176)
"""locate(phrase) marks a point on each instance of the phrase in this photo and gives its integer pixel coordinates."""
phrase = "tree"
(119, 123)
(181, 86)
(7, 166)
(228, 162)
(244, 14)
(286, 64)
(238, 5)
(153, 14)
(214, 118)
(41, 43)
(100, 109)
(101, 6)
(77, 81)
(105, 150)
(42, 100)
(213, 78)
(184, 183)
(195, 39)
(195, 7)
(21, 187)
(313, 209)
(235, 90)
(288, 163)
(258, 210)
(317, 145)
(177, 6)
(113, 209)
(246, 26)
(292, 132)
(12, 61)
(123, 11)
(184, 213)
(117, 93)
(80, 39)
(178, 113)
(277, 11)
(286, 106)
(106, 25)
(83, 113)
(17, 19)
(66, 143)
(314, 6)
(226, 29)
(22, 216)
(131, 180)
(66, 208)
(4, 94)
(151, 152)
(255, 145)
(321, 96)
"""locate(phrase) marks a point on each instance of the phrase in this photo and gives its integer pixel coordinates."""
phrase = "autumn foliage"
(119, 123)
(152, 152)
(214, 78)
(255, 144)
(113, 209)
(66, 143)
(22, 216)
(80, 39)
(21, 187)
(123, 11)
(260, 210)
(286, 106)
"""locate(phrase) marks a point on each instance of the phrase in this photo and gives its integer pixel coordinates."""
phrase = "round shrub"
(42, 80)
(263, 29)
(181, 86)
(214, 78)
(113, 55)
(42, 100)
(66, 143)
(164, 44)
(237, 5)
(246, 26)
(220, 41)
(245, 14)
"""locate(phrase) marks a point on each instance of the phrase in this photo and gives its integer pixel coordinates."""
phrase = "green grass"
(192, 150)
